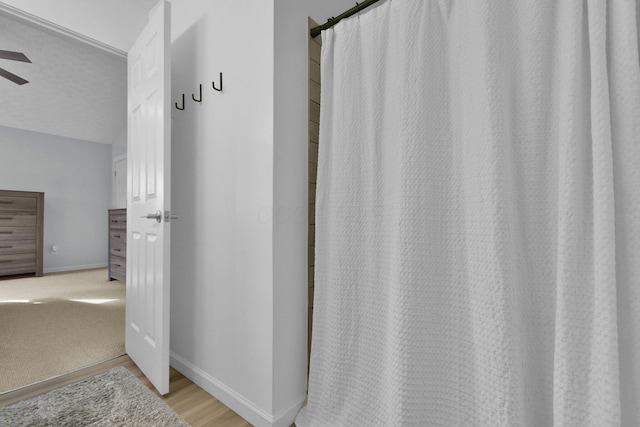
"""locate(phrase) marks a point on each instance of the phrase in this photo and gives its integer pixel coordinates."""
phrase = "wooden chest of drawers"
(118, 244)
(21, 232)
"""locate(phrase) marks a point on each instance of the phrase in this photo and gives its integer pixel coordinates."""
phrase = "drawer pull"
(117, 250)
(5, 261)
(117, 265)
(7, 218)
(6, 247)
(6, 202)
(6, 232)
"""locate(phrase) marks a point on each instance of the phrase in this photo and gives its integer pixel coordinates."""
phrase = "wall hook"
(182, 103)
(194, 97)
(214, 84)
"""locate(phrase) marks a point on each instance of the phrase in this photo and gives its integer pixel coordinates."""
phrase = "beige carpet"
(58, 323)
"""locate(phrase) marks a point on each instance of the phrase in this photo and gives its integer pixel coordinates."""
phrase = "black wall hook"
(194, 97)
(182, 103)
(214, 84)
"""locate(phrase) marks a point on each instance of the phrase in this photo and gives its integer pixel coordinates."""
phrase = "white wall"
(239, 266)
(74, 175)
(290, 179)
(222, 166)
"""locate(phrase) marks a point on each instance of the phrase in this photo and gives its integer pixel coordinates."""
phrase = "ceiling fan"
(13, 56)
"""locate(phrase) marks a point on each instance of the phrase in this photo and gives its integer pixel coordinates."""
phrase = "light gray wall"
(119, 145)
(74, 175)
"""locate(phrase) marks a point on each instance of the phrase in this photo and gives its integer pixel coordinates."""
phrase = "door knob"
(157, 216)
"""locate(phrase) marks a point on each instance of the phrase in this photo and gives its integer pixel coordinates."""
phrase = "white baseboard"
(238, 403)
(73, 268)
(286, 417)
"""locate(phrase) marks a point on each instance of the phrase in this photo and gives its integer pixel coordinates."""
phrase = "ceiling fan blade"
(16, 79)
(13, 56)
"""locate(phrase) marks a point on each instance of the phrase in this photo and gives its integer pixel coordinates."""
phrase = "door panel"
(120, 183)
(148, 179)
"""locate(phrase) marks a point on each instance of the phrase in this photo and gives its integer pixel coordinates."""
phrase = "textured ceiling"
(75, 90)
(116, 23)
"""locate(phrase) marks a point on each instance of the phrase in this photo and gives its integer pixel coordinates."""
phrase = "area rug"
(112, 398)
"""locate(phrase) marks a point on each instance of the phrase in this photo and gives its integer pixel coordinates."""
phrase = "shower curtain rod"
(315, 32)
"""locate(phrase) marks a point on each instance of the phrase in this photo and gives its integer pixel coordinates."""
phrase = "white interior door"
(119, 182)
(148, 192)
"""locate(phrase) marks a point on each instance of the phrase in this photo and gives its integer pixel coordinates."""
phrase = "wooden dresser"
(118, 244)
(21, 232)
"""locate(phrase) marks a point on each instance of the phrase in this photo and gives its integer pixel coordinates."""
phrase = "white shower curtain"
(478, 217)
